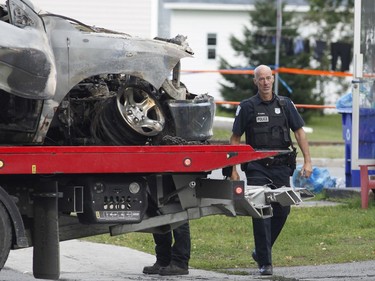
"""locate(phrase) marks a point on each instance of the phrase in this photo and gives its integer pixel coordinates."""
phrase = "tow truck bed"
(124, 159)
(50, 194)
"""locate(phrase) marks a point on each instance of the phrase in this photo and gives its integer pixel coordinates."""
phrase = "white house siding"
(135, 17)
(196, 24)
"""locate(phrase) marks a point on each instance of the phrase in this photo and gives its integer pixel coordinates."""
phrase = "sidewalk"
(86, 261)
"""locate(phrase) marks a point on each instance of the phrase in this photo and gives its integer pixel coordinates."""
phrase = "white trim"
(357, 56)
(357, 73)
(202, 6)
(355, 88)
(228, 7)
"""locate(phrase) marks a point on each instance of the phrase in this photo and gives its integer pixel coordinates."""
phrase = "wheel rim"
(140, 111)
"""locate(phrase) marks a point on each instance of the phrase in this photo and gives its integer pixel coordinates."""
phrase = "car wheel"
(140, 110)
(5, 235)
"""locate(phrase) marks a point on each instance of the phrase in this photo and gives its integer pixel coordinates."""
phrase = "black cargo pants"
(179, 252)
(267, 230)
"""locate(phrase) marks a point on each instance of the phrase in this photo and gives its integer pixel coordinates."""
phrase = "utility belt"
(288, 159)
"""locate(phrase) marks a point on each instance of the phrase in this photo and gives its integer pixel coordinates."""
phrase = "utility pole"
(279, 22)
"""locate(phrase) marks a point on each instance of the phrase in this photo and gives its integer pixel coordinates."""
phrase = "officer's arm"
(304, 146)
(235, 140)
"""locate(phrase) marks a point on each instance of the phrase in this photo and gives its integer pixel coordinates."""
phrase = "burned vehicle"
(66, 83)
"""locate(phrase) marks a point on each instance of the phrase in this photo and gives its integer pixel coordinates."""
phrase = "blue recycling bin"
(366, 138)
(352, 177)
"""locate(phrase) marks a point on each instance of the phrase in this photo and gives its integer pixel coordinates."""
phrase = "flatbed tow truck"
(52, 194)
(84, 112)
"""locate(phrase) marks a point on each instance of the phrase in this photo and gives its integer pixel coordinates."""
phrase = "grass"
(326, 128)
(311, 236)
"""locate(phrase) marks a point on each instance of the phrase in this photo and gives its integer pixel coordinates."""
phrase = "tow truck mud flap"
(46, 259)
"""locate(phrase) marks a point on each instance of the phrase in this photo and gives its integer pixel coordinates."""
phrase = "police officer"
(172, 257)
(266, 119)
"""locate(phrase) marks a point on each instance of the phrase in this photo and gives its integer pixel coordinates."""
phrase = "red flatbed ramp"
(124, 159)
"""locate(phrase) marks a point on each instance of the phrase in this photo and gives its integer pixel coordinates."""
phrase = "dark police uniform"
(265, 126)
(179, 253)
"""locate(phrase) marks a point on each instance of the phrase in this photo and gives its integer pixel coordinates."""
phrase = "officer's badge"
(277, 110)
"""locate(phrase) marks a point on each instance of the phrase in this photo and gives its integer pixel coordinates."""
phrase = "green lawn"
(326, 128)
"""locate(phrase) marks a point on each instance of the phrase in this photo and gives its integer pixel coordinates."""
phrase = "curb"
(347, 192)
(326, 162)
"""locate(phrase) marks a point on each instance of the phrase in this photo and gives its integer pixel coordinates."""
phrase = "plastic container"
(193, 119)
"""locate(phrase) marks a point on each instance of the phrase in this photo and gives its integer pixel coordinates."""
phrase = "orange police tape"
(280, 70)
(311, 106)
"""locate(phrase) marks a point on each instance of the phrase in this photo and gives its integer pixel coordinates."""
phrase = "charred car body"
(65, 83)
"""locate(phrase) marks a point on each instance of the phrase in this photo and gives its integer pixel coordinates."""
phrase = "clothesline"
(297, 45)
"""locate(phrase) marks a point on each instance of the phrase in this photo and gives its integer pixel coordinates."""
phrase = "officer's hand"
(306, 170)
(235, 176)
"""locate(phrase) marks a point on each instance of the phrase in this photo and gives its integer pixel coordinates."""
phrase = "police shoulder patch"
(238, 110)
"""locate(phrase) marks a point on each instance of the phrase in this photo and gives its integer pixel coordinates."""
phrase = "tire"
(140, 110)
(108, 128)
(133, 117)
(5, 235)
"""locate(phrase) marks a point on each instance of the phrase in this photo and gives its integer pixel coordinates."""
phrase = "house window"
(211, 45)
(211, 53)
(211, 39)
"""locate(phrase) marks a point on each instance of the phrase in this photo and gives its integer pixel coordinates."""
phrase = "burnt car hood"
(51, 53)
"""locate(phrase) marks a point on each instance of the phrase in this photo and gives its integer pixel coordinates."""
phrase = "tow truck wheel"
(5, 235)
(140, 110)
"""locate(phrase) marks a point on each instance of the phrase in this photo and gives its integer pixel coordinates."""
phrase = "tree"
(257, 47)
(332, 21)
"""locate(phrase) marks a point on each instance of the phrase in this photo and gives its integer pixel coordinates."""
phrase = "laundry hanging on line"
(294, 46)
